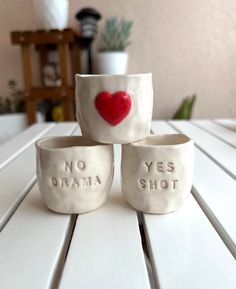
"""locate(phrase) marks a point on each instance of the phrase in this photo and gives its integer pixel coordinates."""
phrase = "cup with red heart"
(114, 108)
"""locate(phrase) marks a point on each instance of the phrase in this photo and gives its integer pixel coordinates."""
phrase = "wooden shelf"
(43, 37)
(53, 93)
(66, 42)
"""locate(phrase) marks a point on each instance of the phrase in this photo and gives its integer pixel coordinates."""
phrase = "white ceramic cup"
(157, 172)
(114, 108)
(74, 174)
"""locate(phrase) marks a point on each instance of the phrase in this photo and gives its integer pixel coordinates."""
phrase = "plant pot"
(53, 14)
(112, 62)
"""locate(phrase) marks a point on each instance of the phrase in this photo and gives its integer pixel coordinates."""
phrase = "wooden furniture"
(194, 247)
(67, 43)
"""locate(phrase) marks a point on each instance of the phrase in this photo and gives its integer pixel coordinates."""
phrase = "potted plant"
(112, 57)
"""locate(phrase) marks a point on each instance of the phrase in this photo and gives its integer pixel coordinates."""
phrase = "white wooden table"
(193, 248)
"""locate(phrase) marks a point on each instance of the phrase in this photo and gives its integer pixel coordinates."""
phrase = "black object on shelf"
(88, 18)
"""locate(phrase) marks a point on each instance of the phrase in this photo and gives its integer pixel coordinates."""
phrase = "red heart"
(113, 107)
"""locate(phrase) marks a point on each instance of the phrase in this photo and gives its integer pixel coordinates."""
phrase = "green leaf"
(116, 34)
(185, 109)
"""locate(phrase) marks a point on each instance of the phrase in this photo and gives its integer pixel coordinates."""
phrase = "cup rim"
(43, 142)
(163, 140)
(78, 75)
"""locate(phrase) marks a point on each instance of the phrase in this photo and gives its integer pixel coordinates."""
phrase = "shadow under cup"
(157, 172)
(74, 174)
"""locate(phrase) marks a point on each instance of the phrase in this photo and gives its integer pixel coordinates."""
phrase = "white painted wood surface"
(33, 240)
(220, 132)
(15, 146)
(215, 191)
(216, 198)
(106, 249)
(186, 249)
(162, 127)
(187, 252)
(201, 245)
(12, 124)
(221, 152)
(228, 123)
(31, 245)
(20, 174)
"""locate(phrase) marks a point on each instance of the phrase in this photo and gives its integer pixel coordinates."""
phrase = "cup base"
(152, 211)
(70, 212)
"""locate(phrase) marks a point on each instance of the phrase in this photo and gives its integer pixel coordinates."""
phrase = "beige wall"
(189, 45)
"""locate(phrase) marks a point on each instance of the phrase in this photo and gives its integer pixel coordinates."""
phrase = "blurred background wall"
(190, 46)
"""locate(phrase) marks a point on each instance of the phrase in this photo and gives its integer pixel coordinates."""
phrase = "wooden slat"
(19, 143)
(106, 249)
(31, 244)
(18, 176)
(220, 132)
(216, 198)
(228, 123)
(187, 252)
(34, 240)
(185, 249)
(215, 191)
(220, 152)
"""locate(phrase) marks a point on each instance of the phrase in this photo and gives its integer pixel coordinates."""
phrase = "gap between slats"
(56, 276)
(150, 264)
(151, 257)
(226, 123)
(206, 153)
(213, 134)
(207, 211)
(29, 186)
(20, 199)
(67, 275)
(58, 273)
(65, 249)
(215, 223)
(146, 251)
(55, 281)
(24, 147)
(58, 267)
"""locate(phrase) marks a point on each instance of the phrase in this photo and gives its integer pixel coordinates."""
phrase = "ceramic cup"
(74, 174)
(157, 172)
(114, 108)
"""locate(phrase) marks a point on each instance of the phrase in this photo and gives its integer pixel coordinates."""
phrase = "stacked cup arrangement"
(75, 173)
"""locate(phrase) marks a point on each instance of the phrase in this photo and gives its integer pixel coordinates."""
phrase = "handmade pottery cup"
(114, 108)
(74, 174)
(157, 172)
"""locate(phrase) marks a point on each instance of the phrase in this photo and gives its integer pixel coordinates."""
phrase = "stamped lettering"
(152, 185)
(73, 178)
(160, 176)
(159, 167)
(71, 182)
(77, 165)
